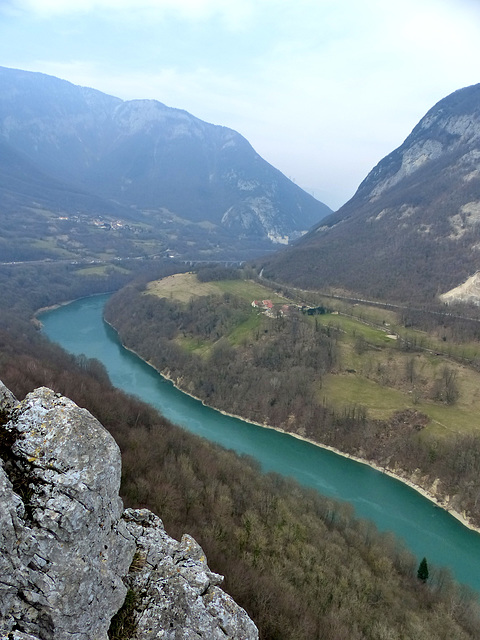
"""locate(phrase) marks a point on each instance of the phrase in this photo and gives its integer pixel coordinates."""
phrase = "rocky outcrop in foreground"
(70, 560)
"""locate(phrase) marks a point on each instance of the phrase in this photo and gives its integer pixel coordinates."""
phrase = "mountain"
(40, 215)
(24, 183)
(147, 159)
(411, 231)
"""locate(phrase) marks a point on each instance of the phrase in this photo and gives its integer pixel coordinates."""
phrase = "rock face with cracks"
(70, 559)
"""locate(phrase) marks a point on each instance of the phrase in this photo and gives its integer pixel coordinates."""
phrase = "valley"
(374, 495)
(349, 376)
(301, 564)
(82, 172)
(376, 351)
(254, 297)
(48, 234)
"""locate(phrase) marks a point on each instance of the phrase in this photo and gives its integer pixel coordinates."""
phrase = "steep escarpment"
(71, 560)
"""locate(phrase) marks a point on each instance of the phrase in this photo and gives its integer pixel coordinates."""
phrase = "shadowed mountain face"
(412, 230)
(23, 183)
(145, 157)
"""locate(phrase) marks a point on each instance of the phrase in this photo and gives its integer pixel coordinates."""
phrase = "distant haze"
(411, 232)
(323, 89)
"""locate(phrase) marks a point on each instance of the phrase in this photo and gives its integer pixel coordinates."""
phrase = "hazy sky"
(323, 89)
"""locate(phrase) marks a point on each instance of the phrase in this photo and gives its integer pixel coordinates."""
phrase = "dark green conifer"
(422, 573)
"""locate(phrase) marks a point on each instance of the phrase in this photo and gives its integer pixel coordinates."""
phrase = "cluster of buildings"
(267, 307)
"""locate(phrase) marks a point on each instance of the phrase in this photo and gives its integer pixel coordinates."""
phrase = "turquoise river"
(426, 529)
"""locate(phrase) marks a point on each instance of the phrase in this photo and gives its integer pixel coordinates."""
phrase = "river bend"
(426, 529)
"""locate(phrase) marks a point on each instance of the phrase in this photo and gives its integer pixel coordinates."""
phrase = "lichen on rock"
(68, 554)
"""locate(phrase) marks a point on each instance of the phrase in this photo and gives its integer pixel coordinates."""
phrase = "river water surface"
(426, 529)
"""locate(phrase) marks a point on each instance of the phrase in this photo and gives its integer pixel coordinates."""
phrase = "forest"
(401, 247)
(297, 372)
(300, 564)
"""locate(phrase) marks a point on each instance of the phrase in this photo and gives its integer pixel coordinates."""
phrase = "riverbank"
(58, 305)
(37, 323)
(373, 465)
(405, 478)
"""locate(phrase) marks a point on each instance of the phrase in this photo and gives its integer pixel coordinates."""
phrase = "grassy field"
(50, 245)
(182, 287)
(249, 290)
(388, 320)
(375, 370)
(378, 379)
(243, 332)
(356, 329)
(185, 286)
(100, 270)
(194, 345)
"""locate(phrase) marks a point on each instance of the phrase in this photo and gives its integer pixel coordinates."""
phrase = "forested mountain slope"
(147, 157)
(411, 230)
(23, 183)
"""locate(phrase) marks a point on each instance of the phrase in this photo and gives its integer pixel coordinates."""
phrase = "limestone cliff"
(70, 559)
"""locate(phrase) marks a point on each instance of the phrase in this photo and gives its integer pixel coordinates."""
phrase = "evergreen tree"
(422, 573)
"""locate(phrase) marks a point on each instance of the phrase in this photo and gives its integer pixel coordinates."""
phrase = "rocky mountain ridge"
(72, 563)
(150, 159)
(412, 228)
(451, 125)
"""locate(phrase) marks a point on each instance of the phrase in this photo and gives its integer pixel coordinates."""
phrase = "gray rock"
(7, 399)
(63, 546)
(180, 597)
(17, 635)
(68, 556)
